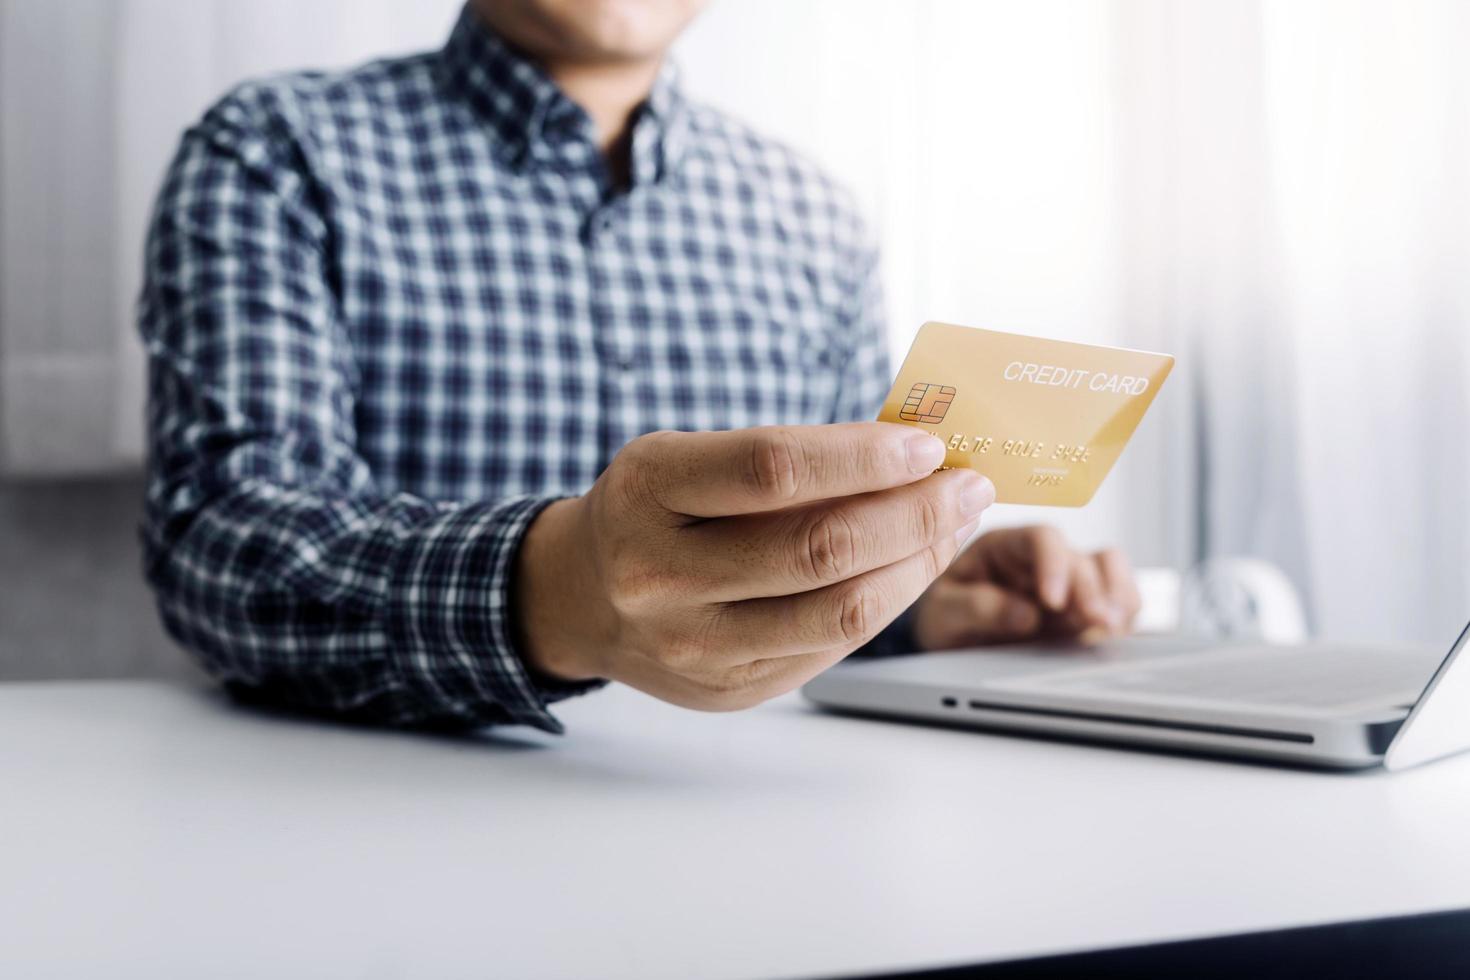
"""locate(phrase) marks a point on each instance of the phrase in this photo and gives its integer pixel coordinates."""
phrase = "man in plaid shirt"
(413, 332)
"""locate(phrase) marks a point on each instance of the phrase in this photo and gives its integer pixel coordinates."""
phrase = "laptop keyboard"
(1278, 677)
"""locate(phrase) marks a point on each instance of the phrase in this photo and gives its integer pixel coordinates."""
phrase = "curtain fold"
(1294, 225)
(59, 353)
(1370, 138)
(1202, 251)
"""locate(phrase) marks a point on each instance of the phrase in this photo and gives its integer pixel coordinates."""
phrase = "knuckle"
(983, 602)
(631, 478)
(726, 690)
(829, 552)
(688, 650)
(634, 583)
(1047, 541)
(776, 466)
(857, 609)
(625, 479)
(625, 599)
(725, 686)
(683, 656)
(651, 445)
(935, 560)
(749, 685)
(1048, 538)
(927, 517)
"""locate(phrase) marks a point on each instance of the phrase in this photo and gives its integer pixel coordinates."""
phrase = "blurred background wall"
(1273, 190)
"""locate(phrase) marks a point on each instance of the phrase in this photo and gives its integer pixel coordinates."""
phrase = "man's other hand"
(1026, 583)
(718, 569)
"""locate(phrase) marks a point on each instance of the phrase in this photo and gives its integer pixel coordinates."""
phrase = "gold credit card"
(1045, 420)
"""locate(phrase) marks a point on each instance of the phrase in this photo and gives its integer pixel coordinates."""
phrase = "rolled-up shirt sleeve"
(275, 557)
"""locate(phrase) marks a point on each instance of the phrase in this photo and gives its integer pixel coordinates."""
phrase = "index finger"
(1088, 606)
(1035, 560)
(1119, 583)
(746, 471)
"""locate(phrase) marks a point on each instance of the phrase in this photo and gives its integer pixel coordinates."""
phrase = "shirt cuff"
(450, 619)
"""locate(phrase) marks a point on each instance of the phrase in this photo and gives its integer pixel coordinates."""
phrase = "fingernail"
(1092, 636)
(978, 494)
(1054, 592)
(1104, 612)
(926, 454)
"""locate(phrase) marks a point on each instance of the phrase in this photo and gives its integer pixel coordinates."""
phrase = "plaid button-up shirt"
(391, 313)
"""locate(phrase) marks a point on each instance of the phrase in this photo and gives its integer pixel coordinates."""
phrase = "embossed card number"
(1044, 419)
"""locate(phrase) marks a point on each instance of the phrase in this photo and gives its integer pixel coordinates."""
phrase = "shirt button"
(625, 363)
(598, 228)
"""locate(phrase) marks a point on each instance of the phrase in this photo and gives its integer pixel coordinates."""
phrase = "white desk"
(153, 831)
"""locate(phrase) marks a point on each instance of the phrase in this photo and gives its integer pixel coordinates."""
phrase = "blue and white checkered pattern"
(391, 313)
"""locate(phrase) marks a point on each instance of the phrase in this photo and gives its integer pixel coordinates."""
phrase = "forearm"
(388, 610)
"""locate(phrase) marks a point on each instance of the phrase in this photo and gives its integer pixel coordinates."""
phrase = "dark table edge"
(1430, 945)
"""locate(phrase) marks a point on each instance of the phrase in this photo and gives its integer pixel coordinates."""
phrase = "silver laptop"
(1330, 705)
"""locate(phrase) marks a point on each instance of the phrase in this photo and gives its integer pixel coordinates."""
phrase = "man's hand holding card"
(718, 569)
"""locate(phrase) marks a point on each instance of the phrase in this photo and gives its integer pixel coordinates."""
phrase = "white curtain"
(93, 97)
(1278, 192)
(1273, 190)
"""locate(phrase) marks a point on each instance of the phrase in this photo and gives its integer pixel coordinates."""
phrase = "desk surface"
(160, 830)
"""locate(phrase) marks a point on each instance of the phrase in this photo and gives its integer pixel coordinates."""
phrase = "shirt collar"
(523, 106)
